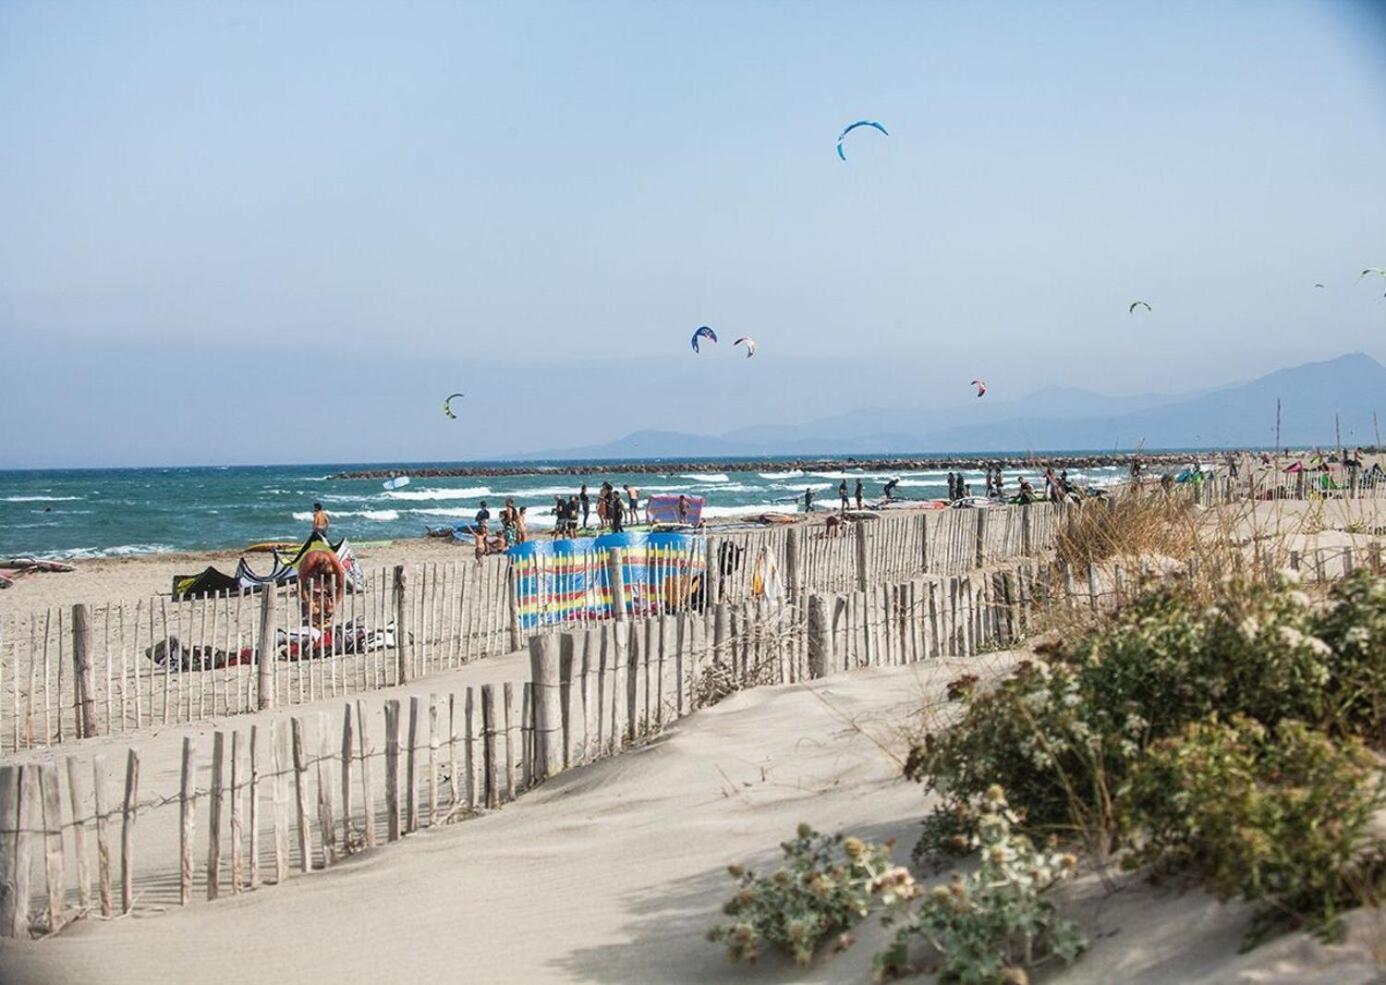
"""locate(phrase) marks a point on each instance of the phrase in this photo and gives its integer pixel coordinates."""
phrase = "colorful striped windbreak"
(559, 581)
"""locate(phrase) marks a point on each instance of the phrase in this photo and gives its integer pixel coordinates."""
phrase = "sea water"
(83, 513)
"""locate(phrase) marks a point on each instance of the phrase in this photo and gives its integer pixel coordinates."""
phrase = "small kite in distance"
(1137, 304)
(1318, 285)
(750, 344)
(447, 406)
(852, 126)
(1372, 270)
(703, 332)
(981, 386)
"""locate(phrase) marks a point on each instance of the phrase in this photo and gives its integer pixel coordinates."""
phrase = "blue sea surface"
(79, 513)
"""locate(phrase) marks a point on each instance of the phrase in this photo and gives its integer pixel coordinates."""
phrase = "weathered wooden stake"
(214, 818)
(548, 705)
(83, 680)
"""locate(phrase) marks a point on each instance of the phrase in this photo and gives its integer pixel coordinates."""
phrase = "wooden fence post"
(820, 637)
(616, 585)
(214, 818)
(1027, 533)
(367, 792)
(103, 840)
(793, 563)
(490, 786)
(327, 824)
(863, 574)
(981, 530)
(187, 808)
(305, 835)
(402, 644)
(83, 680)
(392, 769)
(264, 653)
(411, 781)
(548, 705)
(127, 833)
(515, 634)
(14, 854)
(79, 835)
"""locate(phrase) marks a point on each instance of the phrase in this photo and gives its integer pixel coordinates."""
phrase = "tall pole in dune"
(1277, 427)
(1377, 428)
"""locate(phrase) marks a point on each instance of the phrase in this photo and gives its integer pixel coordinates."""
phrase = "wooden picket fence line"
(593, 691)
(91, 669)
(306, 795)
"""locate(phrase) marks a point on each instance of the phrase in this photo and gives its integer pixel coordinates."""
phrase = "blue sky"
(359, 206)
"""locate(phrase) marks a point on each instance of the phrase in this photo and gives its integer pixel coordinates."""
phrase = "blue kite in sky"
(703, 332)
(853, 126)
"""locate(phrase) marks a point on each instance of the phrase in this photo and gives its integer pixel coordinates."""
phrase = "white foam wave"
(781, 475)
(799, 487)
(706, 477)
(122, 550)
(469, 492)
(382, 516)
(40, 499)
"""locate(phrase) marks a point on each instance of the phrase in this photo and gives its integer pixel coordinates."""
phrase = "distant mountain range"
(1352, 386)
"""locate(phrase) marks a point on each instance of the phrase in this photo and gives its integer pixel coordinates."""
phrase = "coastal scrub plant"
(1063, 732)
(992, 926)
(825, 887)
(1352, 623)
(1279, 817)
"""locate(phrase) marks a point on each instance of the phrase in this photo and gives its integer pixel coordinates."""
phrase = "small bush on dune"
(1063, 733)
(990, 927)
(1353, 625)
(826, 886)
(1277, 817)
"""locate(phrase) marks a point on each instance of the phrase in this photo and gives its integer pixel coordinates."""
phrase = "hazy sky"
(226, 227)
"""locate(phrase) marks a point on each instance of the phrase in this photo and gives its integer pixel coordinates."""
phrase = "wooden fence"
(110, 668)
(300, 794)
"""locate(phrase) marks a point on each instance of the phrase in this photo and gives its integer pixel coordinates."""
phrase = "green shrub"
(826, 886)
(992, 925)
(1277, 817)
(1062, 734)
(1353, 625)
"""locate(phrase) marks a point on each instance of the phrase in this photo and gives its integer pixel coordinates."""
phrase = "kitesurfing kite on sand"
(1137, 304)
(703, 332)
(852, 126)
(447, 405)
(749, 343)
(981, 386)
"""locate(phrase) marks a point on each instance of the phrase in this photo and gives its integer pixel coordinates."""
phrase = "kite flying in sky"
(853, 126)
(750, 344)
(447, 405)
(1372, 270)
(703, 332)
(1135, 305)
(981, 386)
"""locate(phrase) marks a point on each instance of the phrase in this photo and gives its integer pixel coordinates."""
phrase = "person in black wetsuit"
(616, 512)
(586, 505)
(842, 495)
(890, 488)
(859, 494)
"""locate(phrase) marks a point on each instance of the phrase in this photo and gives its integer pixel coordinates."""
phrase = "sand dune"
(611, 873)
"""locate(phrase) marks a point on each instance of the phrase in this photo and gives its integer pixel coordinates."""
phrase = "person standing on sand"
(890, 488)
(321, 521)
(842, 495)
(634, 495)
(808, 500)
(586, 505)
(859, 493)
(615, 511)
(683, 508)
(521, 531)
